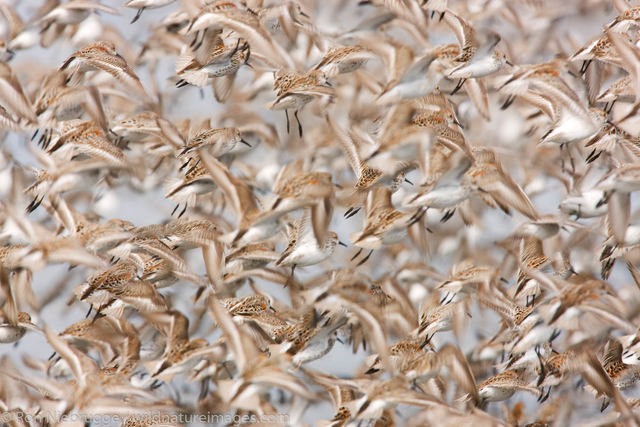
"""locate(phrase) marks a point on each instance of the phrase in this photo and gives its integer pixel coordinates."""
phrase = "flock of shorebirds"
(477, 160)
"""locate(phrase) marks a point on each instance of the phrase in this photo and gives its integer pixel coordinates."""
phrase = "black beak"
(304, 14)
(245, 142)
(342, 243)
(509, 63)
(458, 123)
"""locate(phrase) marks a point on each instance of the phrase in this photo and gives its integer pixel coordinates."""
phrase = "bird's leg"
(286, 113)
(542, 369)
(453, 295)
(299, 124)
(446, 295)
(507, 103)
(417, 216)
(365, 258)
(611, 106)
(448, 214)
(351, 212)
(195, 39)
(197, 46)
(135, 18)
(458, 86)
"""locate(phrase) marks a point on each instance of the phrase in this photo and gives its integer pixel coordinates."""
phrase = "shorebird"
(377, 170)
(13, 97)
(465, 279)
(435, 317)
(250, 257)
(218, 141)
(252, 223)
(303, 248)
(312, 337)
(384, 225)
(340, 60)
(13, 323)
(419, 79)
(313, 190)
(181, 354)
(58, 101)
(196, 181)
(496, 186)
(295, 91)
(102, 55)
(73, 12)
(121, 282)
(478, 58)
(600, 49)
(141, 5)
(504, 385)
(57, 179)
(219, 68)
(532, 257)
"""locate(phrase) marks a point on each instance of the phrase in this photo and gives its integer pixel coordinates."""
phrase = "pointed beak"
(305, 15)
(245, 142)
(342, 243)
(328, 84)
(509, 63)
(458, 123)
